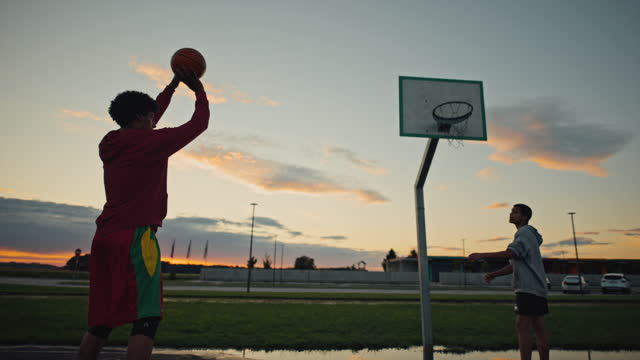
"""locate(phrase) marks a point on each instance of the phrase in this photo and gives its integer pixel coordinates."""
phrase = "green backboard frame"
(420, 95)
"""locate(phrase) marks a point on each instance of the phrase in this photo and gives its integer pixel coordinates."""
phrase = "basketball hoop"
(451, 118)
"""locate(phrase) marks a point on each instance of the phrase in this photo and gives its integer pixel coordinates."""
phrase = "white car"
(615, 282)
(570, 283)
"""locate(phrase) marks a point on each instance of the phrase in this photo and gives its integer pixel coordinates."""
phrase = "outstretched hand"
(475, 256)
(489, 277)
(189, 78)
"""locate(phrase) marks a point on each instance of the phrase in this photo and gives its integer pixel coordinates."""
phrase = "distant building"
(437, 264)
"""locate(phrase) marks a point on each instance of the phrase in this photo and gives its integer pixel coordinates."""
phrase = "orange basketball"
(189, 58)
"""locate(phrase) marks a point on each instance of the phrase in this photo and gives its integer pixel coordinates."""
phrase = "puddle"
(44, 352)
(415, 353)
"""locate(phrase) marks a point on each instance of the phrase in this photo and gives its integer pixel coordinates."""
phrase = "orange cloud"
(83, 114)
(199, 261)
(443, 187)
(369, 166)
(57, 259)
(487, 173)
(275, 176)
(496, 206)
(17, 194)
(216, 95)
(60, 259)
(544, 133)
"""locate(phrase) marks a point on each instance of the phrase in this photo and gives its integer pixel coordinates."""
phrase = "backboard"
(442, 108)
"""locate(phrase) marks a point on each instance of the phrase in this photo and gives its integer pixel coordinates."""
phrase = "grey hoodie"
(528, 270)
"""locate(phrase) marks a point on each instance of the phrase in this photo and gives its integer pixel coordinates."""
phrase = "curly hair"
(128, 104)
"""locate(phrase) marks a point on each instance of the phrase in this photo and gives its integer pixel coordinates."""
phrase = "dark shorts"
(530, 305)
(125, 279)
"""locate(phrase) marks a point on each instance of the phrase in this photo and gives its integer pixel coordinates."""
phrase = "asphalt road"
(198, 286)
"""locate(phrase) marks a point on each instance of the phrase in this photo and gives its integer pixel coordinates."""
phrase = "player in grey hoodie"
(529, 284)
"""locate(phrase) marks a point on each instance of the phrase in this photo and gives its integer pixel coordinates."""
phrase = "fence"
(310, 276)
(371, 277)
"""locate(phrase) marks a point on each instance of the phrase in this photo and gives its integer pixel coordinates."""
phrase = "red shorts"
(125, 277)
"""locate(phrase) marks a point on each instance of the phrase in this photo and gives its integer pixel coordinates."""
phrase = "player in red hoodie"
(125, 277)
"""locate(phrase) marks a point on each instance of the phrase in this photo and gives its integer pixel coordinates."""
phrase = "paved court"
(34, 352)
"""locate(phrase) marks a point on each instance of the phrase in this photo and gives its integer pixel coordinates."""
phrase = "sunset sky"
(305, 122)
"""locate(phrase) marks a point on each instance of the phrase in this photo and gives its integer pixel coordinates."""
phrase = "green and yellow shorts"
(125, 277)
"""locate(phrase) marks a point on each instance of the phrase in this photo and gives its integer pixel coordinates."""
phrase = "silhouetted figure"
(125, 272)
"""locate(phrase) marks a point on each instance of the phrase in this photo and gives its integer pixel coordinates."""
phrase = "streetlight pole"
(249, 264)
(281, 262)
(275, 259)
(575, 243)
(464, 263)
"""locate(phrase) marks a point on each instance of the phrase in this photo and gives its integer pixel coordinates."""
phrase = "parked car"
(571, 283)
(615, 282)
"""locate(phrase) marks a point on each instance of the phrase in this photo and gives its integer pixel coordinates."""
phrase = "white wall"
(313, 276)
(371, 277)
(456, 278)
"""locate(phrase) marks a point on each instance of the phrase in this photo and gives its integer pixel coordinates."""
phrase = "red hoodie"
(135, 167)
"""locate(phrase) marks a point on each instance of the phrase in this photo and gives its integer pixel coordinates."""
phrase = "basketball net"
(458, 130)
(452, 118)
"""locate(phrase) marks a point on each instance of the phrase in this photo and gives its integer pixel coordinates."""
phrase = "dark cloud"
(369, 166)
(636, 230)
(273, 175)
(44, 227)
(445, 248)
(334, 237)
(31, 225)
(587, 233)
(268, 222)
(196, 221)
(497, 238)
(580, 240)
(547, 133)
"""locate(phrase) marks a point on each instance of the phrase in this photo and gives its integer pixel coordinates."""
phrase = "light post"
(281, 262)
(275, 259)
(464, 263)
(250, 264)
(575, 243)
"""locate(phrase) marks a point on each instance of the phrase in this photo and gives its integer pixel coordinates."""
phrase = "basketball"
(190, 59)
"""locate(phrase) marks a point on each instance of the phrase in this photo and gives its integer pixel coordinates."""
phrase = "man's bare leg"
(139, 348)
(523, 325)
(90, 347)
(542, 337)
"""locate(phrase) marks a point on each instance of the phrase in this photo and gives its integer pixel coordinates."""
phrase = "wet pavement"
(35, 352)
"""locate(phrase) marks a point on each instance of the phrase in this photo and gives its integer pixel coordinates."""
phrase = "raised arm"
(164, 98)
(506, 254)
(168, 141)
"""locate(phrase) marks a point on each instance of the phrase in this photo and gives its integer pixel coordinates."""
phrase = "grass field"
(233, 320)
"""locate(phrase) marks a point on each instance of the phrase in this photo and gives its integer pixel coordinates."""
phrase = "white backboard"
(459, 105)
